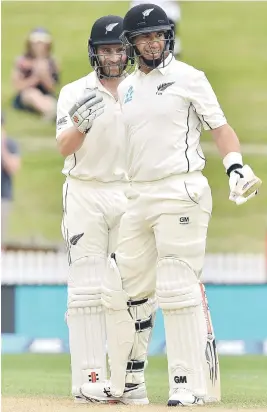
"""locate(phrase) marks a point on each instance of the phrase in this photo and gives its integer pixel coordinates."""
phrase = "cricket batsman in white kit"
(91, 135)
(165, 104)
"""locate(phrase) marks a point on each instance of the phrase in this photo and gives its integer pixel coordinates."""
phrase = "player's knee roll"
(114, 299)
(84, 297)
(177, 285)
(179, 298)
(84, 282)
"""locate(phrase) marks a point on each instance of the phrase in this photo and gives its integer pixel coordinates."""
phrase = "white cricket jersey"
(164, 112)
(102, 155)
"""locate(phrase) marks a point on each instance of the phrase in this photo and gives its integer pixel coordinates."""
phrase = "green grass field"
(226, 40)
(244, 379)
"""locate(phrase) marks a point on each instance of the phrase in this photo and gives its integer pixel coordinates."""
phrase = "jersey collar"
(96, 83)
(163, 68)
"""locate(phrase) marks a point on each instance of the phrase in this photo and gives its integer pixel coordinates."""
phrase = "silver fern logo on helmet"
(110, 27)
(147, 13)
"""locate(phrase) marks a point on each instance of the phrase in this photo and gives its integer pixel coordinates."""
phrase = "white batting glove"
(243, 183)
(86, 110)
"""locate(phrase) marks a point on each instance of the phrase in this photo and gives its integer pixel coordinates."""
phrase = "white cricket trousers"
(92, 213)
(164, 219)
(91, 217)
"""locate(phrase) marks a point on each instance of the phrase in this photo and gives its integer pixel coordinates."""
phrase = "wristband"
(232, 161)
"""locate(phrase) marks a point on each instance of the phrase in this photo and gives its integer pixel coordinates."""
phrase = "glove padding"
(86, 110)
(243, 184)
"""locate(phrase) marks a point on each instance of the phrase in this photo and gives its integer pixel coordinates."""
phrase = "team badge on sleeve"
(61, 122)
(129, 95)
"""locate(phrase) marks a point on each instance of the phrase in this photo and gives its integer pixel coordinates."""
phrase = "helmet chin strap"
(102, 75)
(152, 64)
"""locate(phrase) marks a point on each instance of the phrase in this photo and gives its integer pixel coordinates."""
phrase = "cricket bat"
(212, 369)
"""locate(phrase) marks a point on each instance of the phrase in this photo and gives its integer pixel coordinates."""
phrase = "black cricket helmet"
(147, 18)
(105, 31)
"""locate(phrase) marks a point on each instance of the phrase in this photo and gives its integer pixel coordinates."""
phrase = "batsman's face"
(150, 45)
(112, 59)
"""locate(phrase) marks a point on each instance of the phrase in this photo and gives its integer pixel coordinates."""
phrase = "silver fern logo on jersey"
(110, 27)
(162, 87)
(147, 13)
(129, 95)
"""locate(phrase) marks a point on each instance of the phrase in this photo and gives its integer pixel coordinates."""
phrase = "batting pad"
(185, 326)
(119, 324)
(86, 323)
(129, 325)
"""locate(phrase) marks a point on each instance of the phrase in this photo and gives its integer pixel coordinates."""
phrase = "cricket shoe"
(80, 399)
(134, 394)
(184, 397)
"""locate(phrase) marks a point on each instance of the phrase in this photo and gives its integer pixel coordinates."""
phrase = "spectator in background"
(36, 75)
(173, 11)
(10, 164)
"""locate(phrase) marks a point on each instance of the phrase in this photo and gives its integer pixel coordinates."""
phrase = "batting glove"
(244, 184)
(86, 110)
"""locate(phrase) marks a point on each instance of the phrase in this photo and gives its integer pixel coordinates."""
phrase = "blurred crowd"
(10, 165)
(35, 76)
